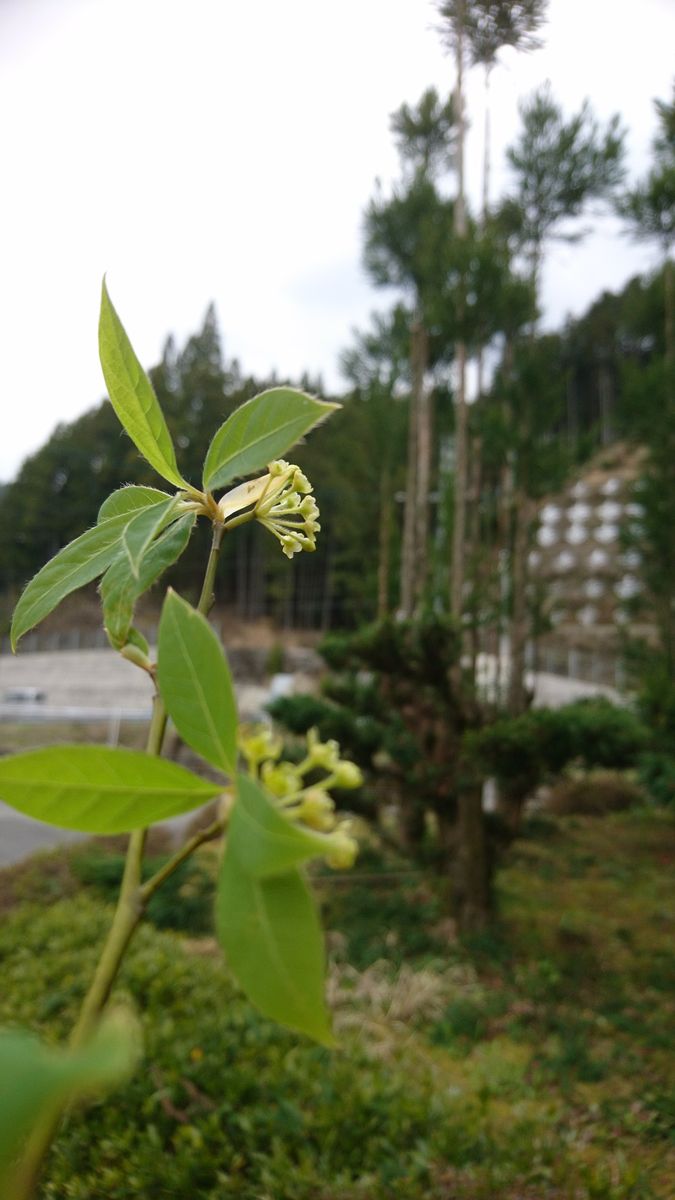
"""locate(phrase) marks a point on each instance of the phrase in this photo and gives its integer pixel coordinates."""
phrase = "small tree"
(377, 367)
(400, 704)
(475, 30)
(405, 239)
(559, 165)
(649, 210)
(276, 821)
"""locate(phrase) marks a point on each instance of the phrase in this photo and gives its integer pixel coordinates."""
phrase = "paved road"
(79, 685)
(19, 836)
(98, 684)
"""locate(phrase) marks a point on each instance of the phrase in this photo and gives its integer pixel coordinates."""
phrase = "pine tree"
(649, 210)
(406, 236)
(559, 165)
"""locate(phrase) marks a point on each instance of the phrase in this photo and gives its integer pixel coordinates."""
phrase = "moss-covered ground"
(533, 1063)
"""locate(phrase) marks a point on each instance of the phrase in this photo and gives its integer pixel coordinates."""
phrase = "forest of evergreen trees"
(598, 369)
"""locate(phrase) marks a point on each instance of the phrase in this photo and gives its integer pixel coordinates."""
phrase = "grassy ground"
(534, 1064)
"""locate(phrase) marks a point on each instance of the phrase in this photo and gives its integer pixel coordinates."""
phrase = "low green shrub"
(508, 1065)
(594, 793)
(184, 903)
(656, 773)
(394, 920)
(232, 1105)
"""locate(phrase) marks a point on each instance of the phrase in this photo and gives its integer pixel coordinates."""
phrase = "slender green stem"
(128, 913)
(129, 906)
(206, 598)
(127, 916)
(205, 835)
(240, 519)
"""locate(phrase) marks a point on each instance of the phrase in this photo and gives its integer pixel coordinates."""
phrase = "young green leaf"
(74, 566)
(195, 683)
(132, 396)
(118, 597)
(99, 790)
(271, 935)
(143, 528)
(129, 500)
(135, 638)
(43, 1078)
(260, 431)
(120, 589)
(265, 842)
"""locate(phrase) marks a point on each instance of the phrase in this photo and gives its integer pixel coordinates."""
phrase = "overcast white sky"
(226, 149)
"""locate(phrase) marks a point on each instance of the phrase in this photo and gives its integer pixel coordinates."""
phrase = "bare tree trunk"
(518, 623)
(412, 825)
(459, 508)
(472, 867)
(486, 145)
(669, 310)
(605, 396)
(475, 531)
(473, 572)
(327, 595)
(383, 565)
(460, 203)
(407, 597)
(423, 476)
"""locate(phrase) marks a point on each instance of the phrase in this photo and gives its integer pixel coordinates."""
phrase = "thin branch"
(215, 829)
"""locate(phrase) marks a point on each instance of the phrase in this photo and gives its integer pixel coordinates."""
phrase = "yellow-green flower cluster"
(287, 508)
(310, 805)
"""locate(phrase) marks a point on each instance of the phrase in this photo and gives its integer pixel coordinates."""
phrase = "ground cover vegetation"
(531, 1061)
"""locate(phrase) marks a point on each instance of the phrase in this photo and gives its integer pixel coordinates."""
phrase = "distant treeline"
(592, 367)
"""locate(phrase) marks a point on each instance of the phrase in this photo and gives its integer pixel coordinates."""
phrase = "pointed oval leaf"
(118, 597)
(271, 935)
(264, 841)
(95, 789)
(142, 529)
(260, 431)
(195, 683)
(120, 590)
(165, 550)
(129, 500)
(44, 1078)
(132, 395)
(74, 566)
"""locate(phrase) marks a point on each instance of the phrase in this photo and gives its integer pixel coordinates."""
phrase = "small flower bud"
(347, 775)
(281, 779)
(317, 809)
(258, 744)
(280, 508)
(290, 545)
(301, 482)
(322, 754)
(278, 467)
(343, 849)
